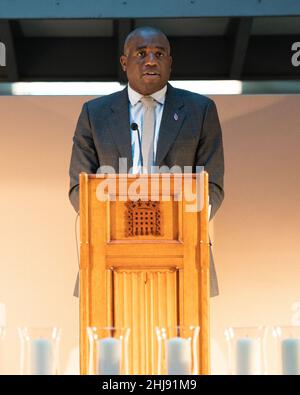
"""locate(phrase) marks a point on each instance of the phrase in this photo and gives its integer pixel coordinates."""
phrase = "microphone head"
(134, 126)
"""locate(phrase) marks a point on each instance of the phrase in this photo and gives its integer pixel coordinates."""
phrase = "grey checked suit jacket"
(192, 138)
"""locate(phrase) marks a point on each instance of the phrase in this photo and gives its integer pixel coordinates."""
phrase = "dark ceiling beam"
(51, 9)
(122, 28)
(6, 37)
(240, 46)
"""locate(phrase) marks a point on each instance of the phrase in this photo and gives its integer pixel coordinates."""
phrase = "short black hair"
(143, 29)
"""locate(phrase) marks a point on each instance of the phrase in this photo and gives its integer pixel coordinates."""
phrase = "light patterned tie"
(149, 105)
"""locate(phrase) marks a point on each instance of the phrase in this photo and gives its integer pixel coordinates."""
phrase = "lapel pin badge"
(176, 116)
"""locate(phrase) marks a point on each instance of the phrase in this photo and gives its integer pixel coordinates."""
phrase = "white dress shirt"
(136, 113)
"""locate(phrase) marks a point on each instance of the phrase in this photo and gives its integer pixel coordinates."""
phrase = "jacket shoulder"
(104, 101)
(193, 97)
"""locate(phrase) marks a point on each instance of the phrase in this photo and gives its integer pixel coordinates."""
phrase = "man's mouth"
(151, 74)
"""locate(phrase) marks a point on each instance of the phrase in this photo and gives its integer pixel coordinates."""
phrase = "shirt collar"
(158, 96)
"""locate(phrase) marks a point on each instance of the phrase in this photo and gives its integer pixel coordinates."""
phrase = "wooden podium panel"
(144, 261)
(145, 298)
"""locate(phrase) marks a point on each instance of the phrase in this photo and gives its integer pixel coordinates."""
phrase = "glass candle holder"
(178, 350)
(39, 350)
(2, 337)
(246, 350)
(108, 350)
(288, 349)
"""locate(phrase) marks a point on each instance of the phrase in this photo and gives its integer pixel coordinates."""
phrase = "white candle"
(2, 334)
(290, 349)
(2, 315)
(248, 356)
(179, 359)
(109, 353)
(41, 357)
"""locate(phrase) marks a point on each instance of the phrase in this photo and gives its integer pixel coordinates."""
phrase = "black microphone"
(134, 126)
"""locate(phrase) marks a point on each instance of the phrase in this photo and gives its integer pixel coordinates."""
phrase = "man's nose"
(151, 58)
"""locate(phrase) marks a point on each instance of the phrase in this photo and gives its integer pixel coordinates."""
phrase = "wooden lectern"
(144, 260)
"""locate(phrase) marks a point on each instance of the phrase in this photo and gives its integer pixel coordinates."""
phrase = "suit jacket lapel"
(172, 118)
(120, 126)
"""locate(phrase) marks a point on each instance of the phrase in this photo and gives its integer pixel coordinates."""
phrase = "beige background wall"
(255, 234)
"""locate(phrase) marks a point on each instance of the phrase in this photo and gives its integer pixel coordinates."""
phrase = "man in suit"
(186, 129)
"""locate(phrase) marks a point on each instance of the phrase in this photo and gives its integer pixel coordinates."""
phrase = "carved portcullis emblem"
(143, 218)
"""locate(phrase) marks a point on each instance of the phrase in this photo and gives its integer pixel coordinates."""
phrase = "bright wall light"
(230, 87)
(66, 88)
(226, 87)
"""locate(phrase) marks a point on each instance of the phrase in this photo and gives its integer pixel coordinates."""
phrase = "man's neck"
(135, 96)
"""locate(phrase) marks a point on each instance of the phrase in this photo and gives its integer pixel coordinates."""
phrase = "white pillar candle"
(290, 351)
(248, 356)
(41, 357)
(179, 360)
(2, 334)
(109, 354)
(2, 315)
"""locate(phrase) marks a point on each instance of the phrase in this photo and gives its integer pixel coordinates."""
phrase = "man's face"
(147, 62)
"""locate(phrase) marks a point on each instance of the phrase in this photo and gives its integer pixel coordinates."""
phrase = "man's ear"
(123, 61)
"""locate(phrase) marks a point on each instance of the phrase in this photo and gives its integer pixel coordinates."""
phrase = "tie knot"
(148, 102)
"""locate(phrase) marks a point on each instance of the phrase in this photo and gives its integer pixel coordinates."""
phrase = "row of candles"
(247, 349)
(177, 350)
(177, 355)
(108, 350)
(109, 357)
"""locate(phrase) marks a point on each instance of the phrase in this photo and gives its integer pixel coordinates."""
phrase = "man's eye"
(159, 54)
(141, 54)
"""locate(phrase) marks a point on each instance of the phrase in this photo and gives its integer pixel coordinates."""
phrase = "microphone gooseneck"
(134, 126)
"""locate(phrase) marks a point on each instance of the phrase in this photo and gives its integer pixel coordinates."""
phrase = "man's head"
(146, 60)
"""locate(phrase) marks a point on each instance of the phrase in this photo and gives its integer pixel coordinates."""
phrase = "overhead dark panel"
(97, 59)
(269, 58)
(49, 9)
(202, 48)
(68, 59)
(200, 57)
